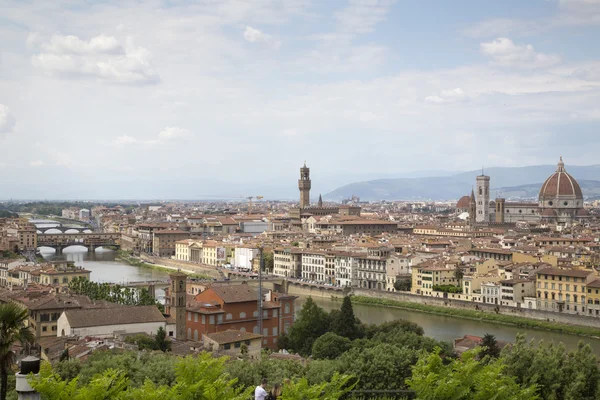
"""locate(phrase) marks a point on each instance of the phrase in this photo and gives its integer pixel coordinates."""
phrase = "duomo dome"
(560, 190)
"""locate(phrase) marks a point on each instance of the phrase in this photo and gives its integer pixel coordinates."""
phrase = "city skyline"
(99, 98)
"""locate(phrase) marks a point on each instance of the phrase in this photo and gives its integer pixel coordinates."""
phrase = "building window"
(242, 315)
(195, 317)
(189, 316)
(228, 317)
(227, 346)
(237, 345)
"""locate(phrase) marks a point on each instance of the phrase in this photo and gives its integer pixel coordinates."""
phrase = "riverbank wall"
(569, 319)
(299, 289)
(183, 265)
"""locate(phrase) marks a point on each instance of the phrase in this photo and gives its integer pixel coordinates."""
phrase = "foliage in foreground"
(12, 330)
(465, 379)
(198, 378)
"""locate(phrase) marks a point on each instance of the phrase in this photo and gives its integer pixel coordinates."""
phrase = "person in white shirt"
(260, 393)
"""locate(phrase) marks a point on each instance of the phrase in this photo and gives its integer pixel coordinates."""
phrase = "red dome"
(560, 183)
(463, 202)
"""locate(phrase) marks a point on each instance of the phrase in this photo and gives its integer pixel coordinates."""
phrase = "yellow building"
(593, 298)
(563, 290)
(27, 237)
(182, 249)
(424, 278)
(59, 274)
(530, 258)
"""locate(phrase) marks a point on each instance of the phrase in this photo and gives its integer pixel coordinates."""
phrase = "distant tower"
(304, 186)
(320, 204)
(500, 203)
(472, 208)
(482, 196)
(177, 294)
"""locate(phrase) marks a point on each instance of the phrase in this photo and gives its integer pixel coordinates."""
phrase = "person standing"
(260, 392)
(275, 392)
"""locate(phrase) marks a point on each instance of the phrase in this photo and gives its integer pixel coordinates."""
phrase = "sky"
(200, 99)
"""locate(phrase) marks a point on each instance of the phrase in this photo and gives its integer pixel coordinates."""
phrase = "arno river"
(104, 268)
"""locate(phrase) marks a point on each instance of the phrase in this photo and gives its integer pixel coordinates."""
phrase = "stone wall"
(313, 290)
(208, 270)
(572, 319)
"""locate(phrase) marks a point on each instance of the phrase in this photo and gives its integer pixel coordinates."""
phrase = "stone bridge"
(60, 241)
(64, 228)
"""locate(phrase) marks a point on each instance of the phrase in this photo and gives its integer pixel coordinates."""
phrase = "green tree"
(201, 378)
(12, 329)
(268, 261)
(68, 369)
(335, 389)
(345, 323)
(403, 285)
(312, 322)
(382, 366)
(465, 379)
(162, 343)
(458, 273)
(558, 374)
(330, 346)
(489, 346)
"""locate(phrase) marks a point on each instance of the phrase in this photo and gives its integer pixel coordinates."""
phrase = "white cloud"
(7, 121)
(102, 57)
(504, 52)
(36, 163)
(361, 16)
(173, 132)
(253, 35)
(168, 134)
(447, 96)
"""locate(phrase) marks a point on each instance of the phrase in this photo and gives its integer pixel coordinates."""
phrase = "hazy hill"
(522, 181)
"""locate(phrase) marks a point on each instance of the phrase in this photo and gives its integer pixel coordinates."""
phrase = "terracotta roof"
(232, 336)
(114, 316)
(560, 183)
(564, 272)
(234, 293)
(463, 202)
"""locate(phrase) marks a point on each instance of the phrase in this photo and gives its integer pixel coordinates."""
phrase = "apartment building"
(163, 241)
(223, 307)
(563, 290)
(313, 266)
(287, 262)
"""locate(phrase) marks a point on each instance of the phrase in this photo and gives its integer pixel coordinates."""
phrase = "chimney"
(29, 364)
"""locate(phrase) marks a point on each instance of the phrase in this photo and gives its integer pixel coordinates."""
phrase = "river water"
(448, 328)
(104, 267)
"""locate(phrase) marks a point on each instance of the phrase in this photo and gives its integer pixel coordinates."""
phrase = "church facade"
(560, 201)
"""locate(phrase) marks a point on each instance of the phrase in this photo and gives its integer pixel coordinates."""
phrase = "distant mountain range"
(513, 182)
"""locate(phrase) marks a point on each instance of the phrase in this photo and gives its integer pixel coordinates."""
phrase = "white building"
(105, 322)
(84, 214)
(313, 266)
(345, 269)
(490, 292)
(254, 227)
(244, 256)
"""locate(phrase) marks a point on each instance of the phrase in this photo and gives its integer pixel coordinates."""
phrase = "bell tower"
(177, 309)
(304, 186)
